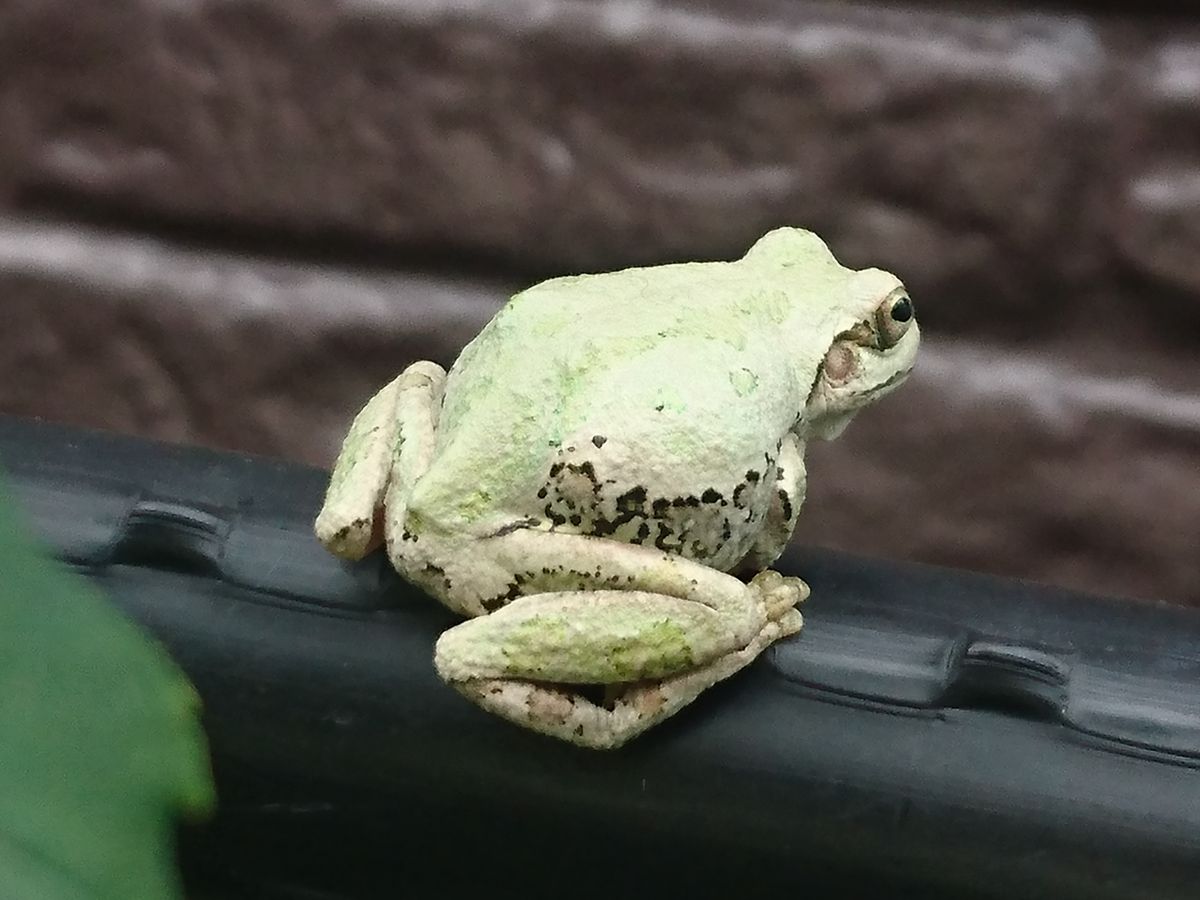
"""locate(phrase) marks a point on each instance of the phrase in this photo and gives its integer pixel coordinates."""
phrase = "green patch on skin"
(744, 381)
(661, 648)
(475, 504)
(774, 305)
(461, 401)
(414, 522)
(527, 647)
(546, 646)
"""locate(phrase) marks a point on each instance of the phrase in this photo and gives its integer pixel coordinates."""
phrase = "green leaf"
(100, 741)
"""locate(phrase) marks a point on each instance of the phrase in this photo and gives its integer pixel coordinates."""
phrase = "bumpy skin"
(596, 461)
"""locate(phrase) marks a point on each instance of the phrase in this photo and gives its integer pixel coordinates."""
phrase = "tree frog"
(601, 480)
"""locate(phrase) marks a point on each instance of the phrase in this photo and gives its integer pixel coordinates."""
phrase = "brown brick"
(560, 136)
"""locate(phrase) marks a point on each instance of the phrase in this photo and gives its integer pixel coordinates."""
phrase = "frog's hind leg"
(656, 653)
(370, 471)
(519, 693)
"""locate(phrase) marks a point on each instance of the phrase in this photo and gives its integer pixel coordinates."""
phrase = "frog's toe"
(789, 623)
(779, 593)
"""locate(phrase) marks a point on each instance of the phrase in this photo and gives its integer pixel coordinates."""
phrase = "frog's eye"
(893, 318)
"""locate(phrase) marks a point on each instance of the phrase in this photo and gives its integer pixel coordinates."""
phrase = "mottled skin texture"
(601, 457)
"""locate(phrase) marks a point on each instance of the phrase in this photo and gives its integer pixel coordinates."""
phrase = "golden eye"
(893, 317)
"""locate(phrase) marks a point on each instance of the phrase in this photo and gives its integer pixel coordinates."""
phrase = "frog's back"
(584, 354)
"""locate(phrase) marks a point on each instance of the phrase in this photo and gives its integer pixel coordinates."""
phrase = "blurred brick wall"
(228, 222)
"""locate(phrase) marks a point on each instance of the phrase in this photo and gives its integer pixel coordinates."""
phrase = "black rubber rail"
(930, 733)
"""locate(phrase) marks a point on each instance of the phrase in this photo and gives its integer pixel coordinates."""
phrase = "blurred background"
(228, 222)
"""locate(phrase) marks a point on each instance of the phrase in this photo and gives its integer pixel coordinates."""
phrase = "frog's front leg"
(600, 612)
(780, 520)
(390, 443)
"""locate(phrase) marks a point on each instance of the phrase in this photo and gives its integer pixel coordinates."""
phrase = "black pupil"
(902, 310)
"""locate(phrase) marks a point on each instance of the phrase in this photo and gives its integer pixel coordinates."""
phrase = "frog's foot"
(779, 593)
(655, 653)
(561, 711)
(404, 414)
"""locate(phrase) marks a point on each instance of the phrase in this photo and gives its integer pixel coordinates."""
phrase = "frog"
(602, 480)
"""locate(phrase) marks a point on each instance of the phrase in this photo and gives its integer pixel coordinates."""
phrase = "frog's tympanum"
(602, 478)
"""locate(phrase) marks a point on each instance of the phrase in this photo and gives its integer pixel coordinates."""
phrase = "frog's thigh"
(585, 637)
(545, 561)
(780, 520)
(562, 714)
(405, 410)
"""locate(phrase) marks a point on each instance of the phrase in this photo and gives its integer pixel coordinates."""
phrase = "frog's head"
(855, 331)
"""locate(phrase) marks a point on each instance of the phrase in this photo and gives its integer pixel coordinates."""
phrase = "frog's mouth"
(887, 385)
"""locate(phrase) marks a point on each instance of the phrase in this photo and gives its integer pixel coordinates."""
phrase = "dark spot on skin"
(576, 519)
(555, 469)
(752, 476)
(570, 504)
(787, 506)
(517, 526)
(542, 494)
(407, 535)
(602, 527)
(438, 571)
(699, 551)
(555, 518)
(570, 449)
(712, 495)
(659, 507)
(491, 604)
(726, 532)
(643, 532)
(737, 495)
(664, 532)
(660, 407)
(632, 501)
(599, 440)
